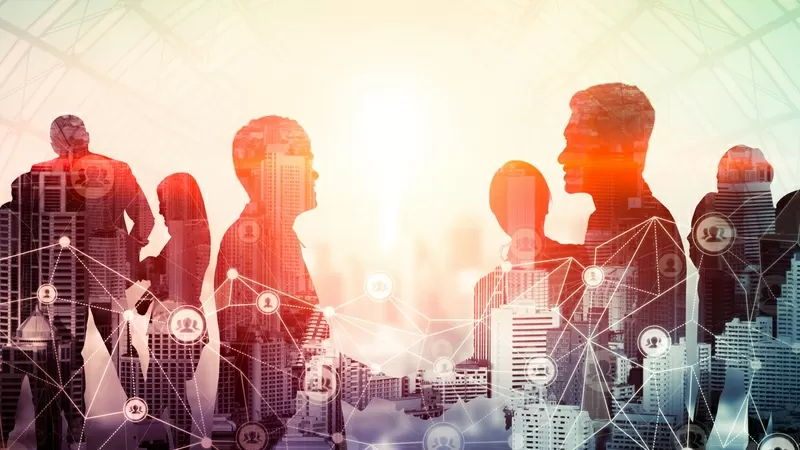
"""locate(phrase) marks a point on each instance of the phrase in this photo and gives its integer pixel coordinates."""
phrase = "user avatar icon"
(379, 286)
(541, 371)
(778, 441)
(714, 234)
(187, 324)
(268, 302)
(525, 246)
(444, 367)
(135, 409)
(593, 276)
(46, 294)
(691, 437)
(670, 265)
(252, 436)
(443, 436)
(654, 342)
(248, 231)
(92, 176)
(320, 384)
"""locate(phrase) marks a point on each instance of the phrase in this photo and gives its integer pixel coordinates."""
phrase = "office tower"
(318, 416)
(360, 384)
(519, 334)
(468, 381)
(547, 426)
(163, 385)
(107, 287)
(489, 294)
(567, 345)
(46, 202)
(529, 284)
(12, 313)
(32, 353)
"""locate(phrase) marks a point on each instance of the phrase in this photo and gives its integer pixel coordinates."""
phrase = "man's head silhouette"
(268, 148)
(68, 136)
(607, 137)
(519, 197)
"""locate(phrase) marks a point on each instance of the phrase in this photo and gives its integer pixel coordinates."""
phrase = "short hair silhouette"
(503, 192)
(741, 158)
(261, 136)
(619, 113)
(68, 135)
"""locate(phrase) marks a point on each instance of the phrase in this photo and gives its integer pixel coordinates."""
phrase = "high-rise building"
(360, 384)
(469, 381)
(519, 333)
(547, 426)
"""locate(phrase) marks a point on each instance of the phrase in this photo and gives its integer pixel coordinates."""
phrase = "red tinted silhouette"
(607, 138)
(273, 161)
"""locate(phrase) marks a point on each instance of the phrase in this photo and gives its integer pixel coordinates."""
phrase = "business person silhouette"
(273, 160)
(630, 231)
(176, 274)
(729, 281)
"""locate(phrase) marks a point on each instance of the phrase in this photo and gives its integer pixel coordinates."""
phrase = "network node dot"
(593, 276)
(506, 266)
(135, 409)
(64, 242)
(337, 438)
(654, 342)
(713, 234)
(46, 294)
(778, 441)
(187, 325)
(756, 364)
(128, 315)
(443, 435)
(233, 274)
(328, 311)
(444, 367)
(541, 371)
(379, 286)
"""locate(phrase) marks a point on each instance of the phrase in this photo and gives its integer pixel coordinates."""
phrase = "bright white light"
(391, 128)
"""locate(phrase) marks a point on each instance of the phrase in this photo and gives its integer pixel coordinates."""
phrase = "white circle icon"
(541, 371)
(506, 266)
(379, 286)
(714, 234)
(187, 325)
(320, 384)
(268, 302)
(135, 409)
(593, 276)
(444, 367)
(443, 436)
(248, 231)
(92, 176)
(778, 441)
(252, 436)
(46, 294)
(525, 245)
(670, 265)
(691, 437)
(654, 342)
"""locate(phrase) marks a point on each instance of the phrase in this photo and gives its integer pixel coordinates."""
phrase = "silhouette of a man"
(607, 138)
(273, 161)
